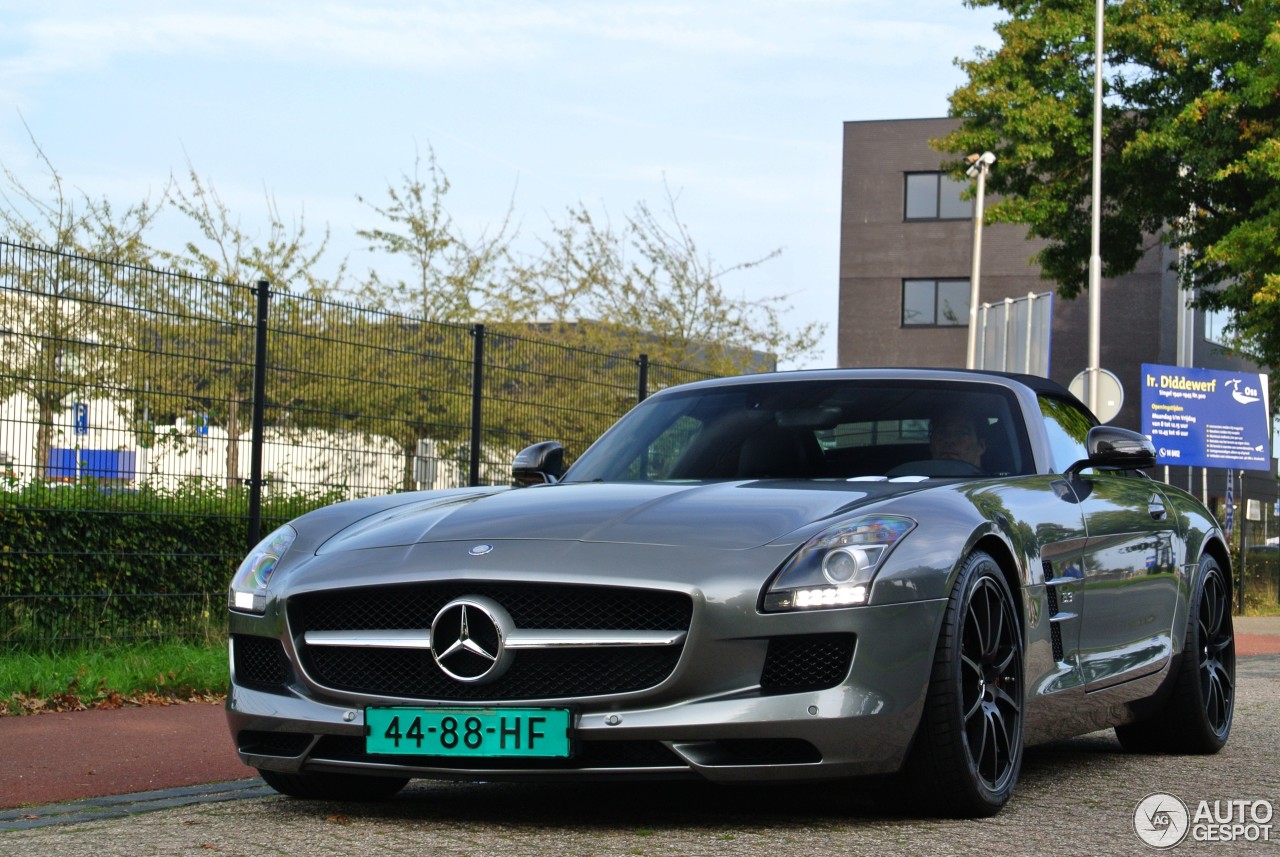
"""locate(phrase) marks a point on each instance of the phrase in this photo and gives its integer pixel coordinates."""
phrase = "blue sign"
(1206, 418)
(81, 420)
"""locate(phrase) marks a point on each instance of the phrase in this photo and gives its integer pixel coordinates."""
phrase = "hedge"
(86, 563)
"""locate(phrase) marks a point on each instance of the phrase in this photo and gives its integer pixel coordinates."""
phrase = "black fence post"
(258, 429)
(642, 391)
(477, 394)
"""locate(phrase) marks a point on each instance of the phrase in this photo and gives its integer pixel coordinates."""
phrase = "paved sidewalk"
(53, 758)
(58, 758)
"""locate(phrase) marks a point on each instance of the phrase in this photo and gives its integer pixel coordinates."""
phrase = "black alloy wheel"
(991, 683)
(1216, 654)
(967, 751)
(1197, 717)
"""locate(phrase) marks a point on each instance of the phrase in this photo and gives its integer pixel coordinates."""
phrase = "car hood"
(726, 515)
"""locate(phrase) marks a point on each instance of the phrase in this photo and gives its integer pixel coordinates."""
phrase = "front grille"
(587, 754)
(260, 662)
(555, 607)
(534, 674)
(543, 674)
(806, 662)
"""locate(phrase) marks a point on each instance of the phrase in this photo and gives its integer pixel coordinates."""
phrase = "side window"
(935, 303)
(1068, 430)
(935, 196)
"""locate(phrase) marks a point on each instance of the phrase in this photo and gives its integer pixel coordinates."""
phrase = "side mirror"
(1117, 449)
(540, 464)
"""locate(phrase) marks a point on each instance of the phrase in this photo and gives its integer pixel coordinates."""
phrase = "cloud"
(61, 36)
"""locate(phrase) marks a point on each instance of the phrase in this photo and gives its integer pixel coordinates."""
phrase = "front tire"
(1197, 718)
(968, 750)
(343, 787)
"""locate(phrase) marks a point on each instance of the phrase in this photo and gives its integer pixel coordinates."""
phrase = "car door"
(1128, 591)
(1113, 583)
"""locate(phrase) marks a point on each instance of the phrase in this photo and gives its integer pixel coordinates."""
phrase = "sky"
(734, 108)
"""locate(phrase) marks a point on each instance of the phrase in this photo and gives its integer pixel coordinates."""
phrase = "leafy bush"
(1261, 582)
(84, 562)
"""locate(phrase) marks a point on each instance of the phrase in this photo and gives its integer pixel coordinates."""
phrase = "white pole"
(978, 166)
(1095, 255)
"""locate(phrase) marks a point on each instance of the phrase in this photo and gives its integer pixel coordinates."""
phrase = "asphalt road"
(1076, 797)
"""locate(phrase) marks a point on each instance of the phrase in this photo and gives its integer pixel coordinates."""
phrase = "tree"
(449, 276)
(208, 325)
(1190, 145)
(60, 306)
(648, 287)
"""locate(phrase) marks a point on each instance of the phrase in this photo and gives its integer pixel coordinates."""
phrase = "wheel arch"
(1215, 548)
(1001, 553)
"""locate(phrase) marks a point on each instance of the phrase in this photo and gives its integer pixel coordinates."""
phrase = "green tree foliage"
(564, 327)
(1190, 151)
(647, 286)
(61, 310)
(644, 288)
(445, 276)
(212, 337)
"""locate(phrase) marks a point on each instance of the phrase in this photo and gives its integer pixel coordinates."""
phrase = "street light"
(979, 165)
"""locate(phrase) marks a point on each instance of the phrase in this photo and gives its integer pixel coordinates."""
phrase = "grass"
(111, 677)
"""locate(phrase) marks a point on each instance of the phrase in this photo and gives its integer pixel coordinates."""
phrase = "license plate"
(468, 732)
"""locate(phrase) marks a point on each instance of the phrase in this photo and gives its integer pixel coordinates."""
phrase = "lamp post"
(978, 167)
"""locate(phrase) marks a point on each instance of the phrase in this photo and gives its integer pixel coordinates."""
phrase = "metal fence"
(153, 424)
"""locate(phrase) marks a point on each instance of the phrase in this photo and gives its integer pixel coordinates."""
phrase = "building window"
(936, 196)
(935, 303)
(1215, 326)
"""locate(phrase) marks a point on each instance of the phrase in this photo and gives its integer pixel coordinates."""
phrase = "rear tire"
(343, 787)
(968, 750)
(1197, 718)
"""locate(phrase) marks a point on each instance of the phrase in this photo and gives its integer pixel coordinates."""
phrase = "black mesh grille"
(1051, 598)
(587, 754)
(810, 662)
(535, 674)
(260, 662)
(541, 674)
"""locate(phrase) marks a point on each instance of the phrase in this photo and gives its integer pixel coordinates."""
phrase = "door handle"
(1156, 507)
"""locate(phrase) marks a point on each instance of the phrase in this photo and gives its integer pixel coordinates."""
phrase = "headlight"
(835, 568)
(249, 585)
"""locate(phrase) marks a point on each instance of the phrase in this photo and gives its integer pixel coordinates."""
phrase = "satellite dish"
(1110, 393)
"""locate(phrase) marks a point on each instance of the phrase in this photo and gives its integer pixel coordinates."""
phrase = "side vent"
(1051, 593)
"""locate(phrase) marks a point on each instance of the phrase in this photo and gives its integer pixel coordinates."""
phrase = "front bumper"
(710, 718)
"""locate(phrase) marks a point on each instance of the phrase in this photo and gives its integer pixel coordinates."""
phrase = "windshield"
(830, 429)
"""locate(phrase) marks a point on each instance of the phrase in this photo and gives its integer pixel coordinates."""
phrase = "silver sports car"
(905, 574)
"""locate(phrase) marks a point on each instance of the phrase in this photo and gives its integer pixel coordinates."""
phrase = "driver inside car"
(956, 436)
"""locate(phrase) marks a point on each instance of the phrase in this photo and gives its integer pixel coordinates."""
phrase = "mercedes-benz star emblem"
(468, 639)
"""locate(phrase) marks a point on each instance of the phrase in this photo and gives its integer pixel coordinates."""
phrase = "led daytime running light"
(836, 567)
